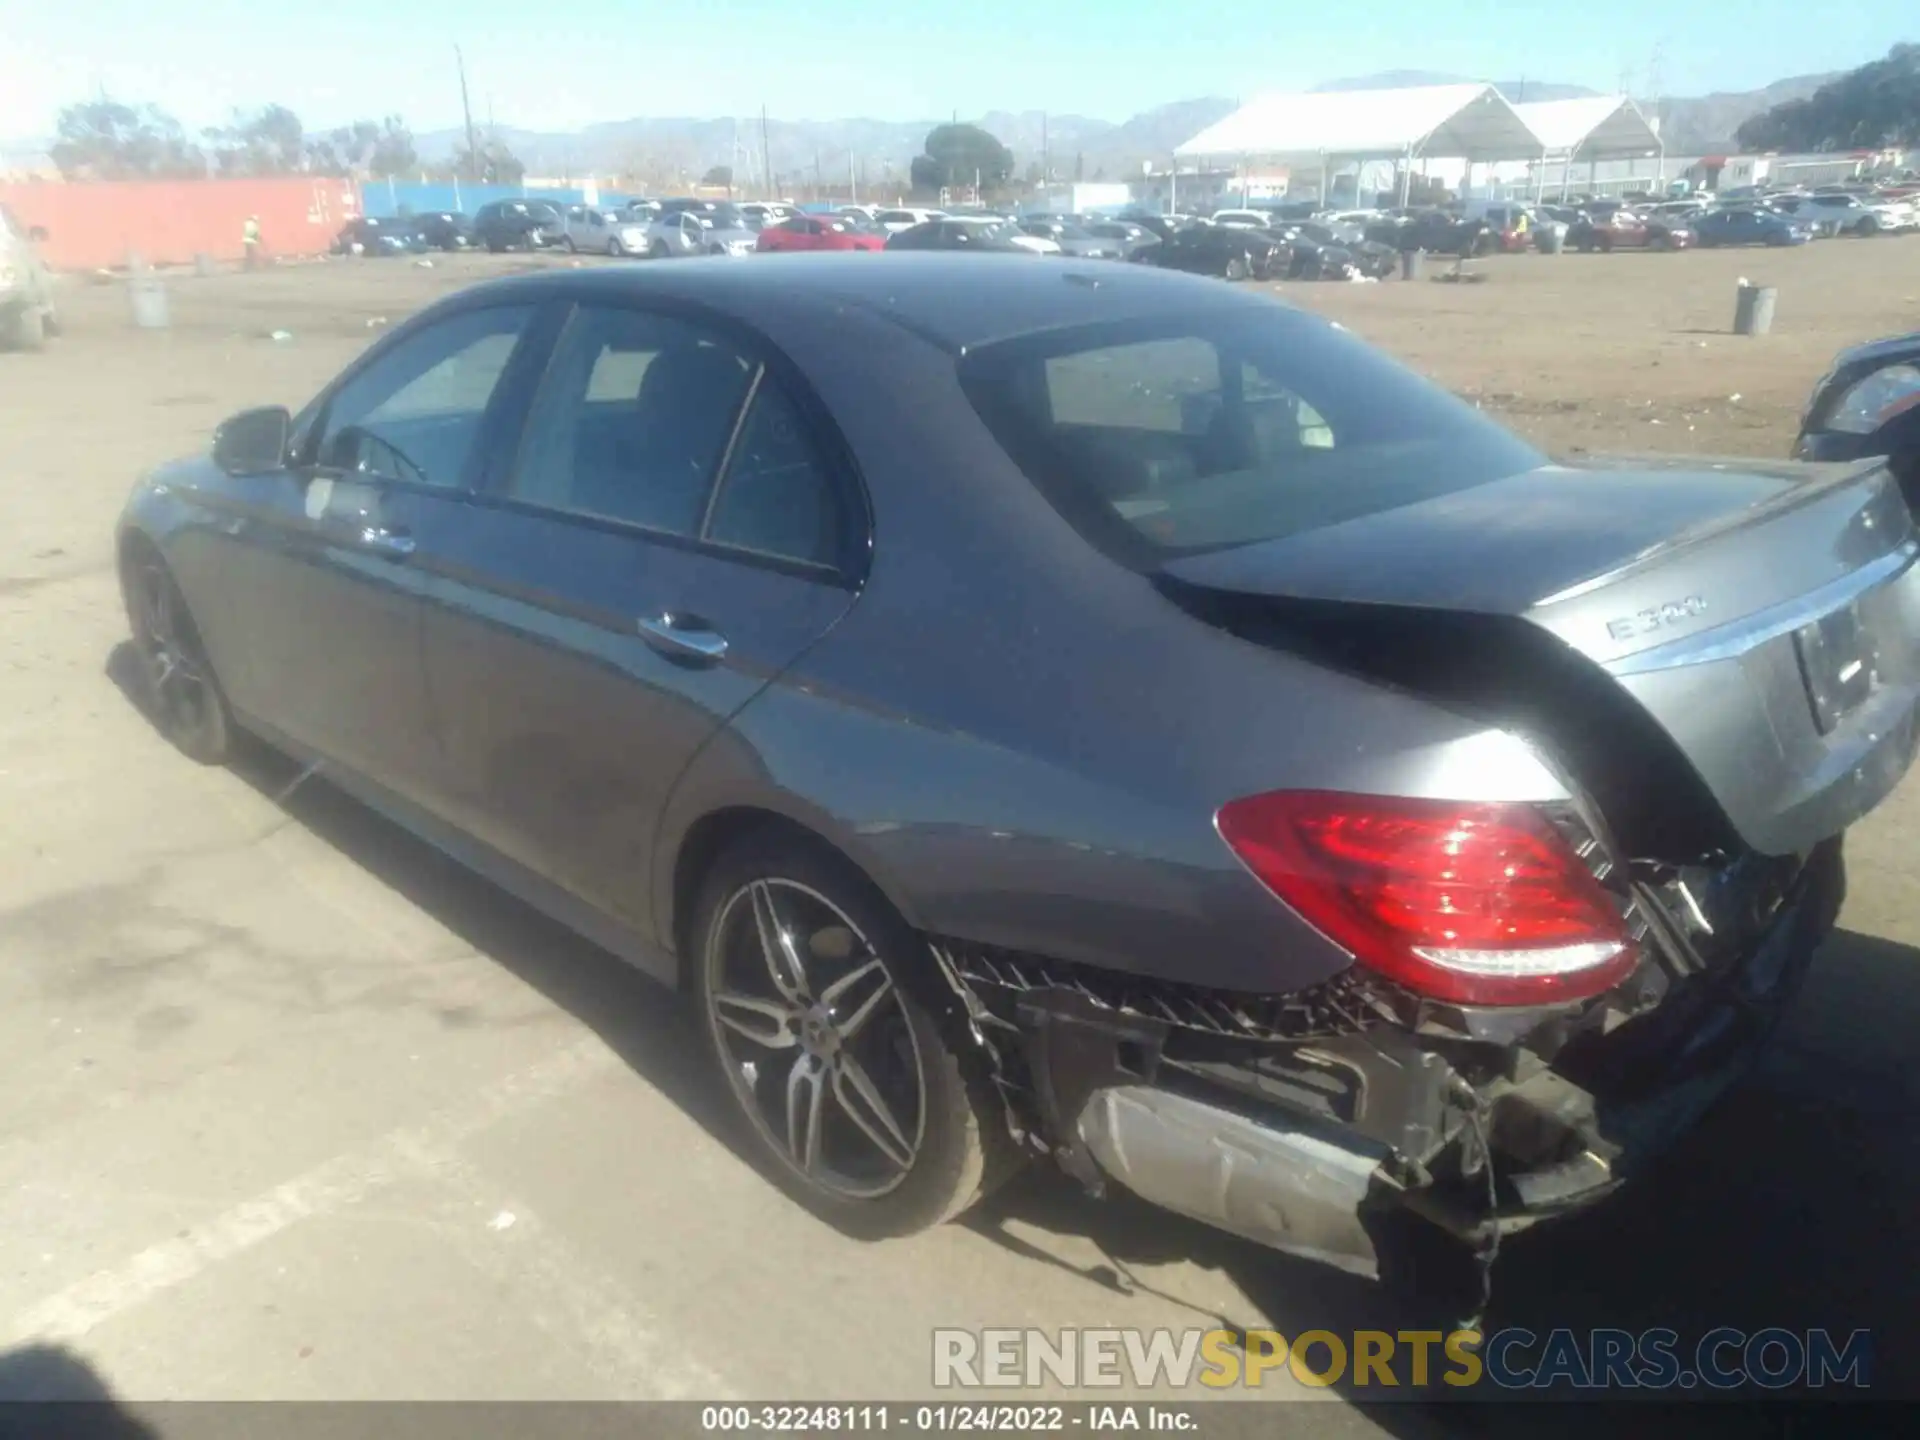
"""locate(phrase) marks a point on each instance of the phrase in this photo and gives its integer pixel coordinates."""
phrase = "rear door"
(673, 530)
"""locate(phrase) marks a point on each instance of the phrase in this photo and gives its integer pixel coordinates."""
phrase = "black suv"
(518, 225)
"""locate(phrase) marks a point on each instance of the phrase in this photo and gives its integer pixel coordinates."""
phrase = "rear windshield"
(1174, 436)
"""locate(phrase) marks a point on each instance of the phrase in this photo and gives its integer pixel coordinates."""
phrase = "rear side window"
(1170, 437)
(777, 497)
(641, 416)
(632, 420)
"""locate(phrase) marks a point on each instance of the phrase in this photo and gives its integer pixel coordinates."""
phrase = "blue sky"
(568, 63)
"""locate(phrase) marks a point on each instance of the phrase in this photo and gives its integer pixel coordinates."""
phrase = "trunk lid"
(1765, 617)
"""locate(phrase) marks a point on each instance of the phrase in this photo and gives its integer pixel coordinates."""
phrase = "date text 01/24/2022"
(1014, 1419)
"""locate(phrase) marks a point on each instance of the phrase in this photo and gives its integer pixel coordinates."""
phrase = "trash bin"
(1549, 239)
(1753, 309)
(1413, 264)
(149, 300)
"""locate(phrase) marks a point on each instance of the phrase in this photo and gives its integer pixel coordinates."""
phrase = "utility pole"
(466, 109)
(766, 155)
(853, 182)
(1046, 172)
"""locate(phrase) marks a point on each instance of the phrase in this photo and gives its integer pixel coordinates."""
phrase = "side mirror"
(254, 441)
(37, 234)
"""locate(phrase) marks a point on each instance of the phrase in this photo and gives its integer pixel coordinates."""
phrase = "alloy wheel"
(815, 1039)
(177, 680)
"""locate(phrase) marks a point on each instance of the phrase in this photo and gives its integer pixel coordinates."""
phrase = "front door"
(329, 594)
(669, 537)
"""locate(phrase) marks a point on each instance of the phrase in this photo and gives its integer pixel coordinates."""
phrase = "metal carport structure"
(1470, 122)
(1592, 128)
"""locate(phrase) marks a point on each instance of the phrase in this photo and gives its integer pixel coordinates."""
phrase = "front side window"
(1165, 438)
(415, 413)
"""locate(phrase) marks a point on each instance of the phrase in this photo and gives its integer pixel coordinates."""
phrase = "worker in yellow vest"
(250, 241)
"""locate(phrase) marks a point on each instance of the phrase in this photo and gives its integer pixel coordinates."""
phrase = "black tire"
(658, 250)
(25, 329)
(494, 247)
(184, 699)
(846, 929)
(1237, 268)
(1867, 227)
(567, 242)
(614, 251)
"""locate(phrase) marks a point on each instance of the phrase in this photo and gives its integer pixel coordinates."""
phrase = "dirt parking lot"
(293, 1109)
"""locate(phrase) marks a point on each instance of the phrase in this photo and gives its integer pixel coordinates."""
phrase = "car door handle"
(388, 544)
(683, 636)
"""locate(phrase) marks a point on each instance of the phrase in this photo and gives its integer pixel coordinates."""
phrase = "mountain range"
(878, 152)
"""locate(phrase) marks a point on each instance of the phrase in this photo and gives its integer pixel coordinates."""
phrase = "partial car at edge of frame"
(1868, 405)
(886, 652)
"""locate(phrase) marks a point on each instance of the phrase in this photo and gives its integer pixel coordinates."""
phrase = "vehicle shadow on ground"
(47, 1391)
(1791, 1205)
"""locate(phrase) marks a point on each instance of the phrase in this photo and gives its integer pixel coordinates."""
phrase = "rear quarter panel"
(1024, 744)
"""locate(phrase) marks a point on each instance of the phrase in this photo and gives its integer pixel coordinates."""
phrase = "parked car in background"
(1164, 226)
(819, 232)
(1683, 212)
(1821, 224)
(1232, 252)
(518, 225)
(1868, 403)
(758, 214)
(27, 314)
(1131, 236)
(374, 236)
(699, 231)
(1074, 240)
(603, 232)
(1130, 727)
(1855, 216)
(1622, 229)
(644, 211)
(444, 230)
(1326, 252)
(959, 232)
(896, 219)
(1508, 226)
(1243, 219)
(1748, 225)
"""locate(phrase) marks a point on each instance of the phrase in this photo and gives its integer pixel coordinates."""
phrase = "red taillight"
(1475, 904)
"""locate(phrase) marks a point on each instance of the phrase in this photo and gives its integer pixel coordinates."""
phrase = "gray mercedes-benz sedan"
(1070, 710)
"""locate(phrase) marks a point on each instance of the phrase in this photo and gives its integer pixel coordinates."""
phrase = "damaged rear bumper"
(1327, 1141)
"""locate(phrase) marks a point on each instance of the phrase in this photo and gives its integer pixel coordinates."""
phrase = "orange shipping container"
(93, 225)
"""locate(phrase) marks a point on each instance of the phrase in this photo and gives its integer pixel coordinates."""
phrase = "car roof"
(956, 301)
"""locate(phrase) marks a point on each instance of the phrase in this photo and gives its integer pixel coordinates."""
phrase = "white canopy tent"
(1470, 122)
(1593, 128)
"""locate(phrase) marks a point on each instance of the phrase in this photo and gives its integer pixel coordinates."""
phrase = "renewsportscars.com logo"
(1510, 1359)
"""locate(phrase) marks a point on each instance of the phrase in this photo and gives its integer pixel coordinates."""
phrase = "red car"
(819, 232)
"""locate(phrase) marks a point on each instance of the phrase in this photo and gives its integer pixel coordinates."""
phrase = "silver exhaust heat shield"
(1262, 1180)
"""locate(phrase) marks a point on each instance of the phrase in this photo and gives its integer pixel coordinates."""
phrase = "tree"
(393, 153)
(1872, 108)
(271, 142)
(719, 175)
(106, 140)
(956, 154)
(492, 164)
